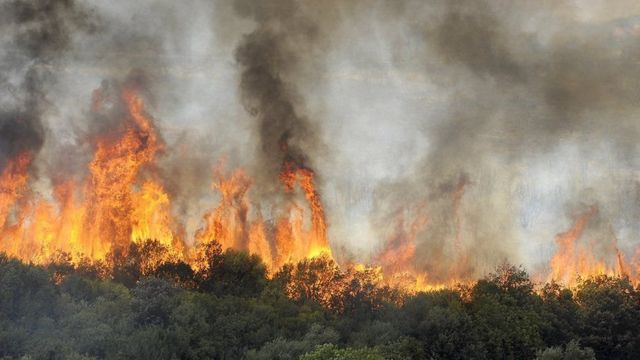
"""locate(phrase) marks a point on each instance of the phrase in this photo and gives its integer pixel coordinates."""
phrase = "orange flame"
(573, 260)
(397, 258)
(113, 209)
(116, 213)
(230, 224)
(291, 235)
(13, 181)
(121, 202)
(227, 224)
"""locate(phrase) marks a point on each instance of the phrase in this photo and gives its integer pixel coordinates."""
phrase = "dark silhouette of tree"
(148, 304)
(505, 312)
(230, 272)
(177, 272)
(611, 311)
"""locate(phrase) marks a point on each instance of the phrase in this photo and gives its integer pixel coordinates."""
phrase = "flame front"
(231, 225)
(122, 201)
(109, 211)
(13, 181)
(575, 256)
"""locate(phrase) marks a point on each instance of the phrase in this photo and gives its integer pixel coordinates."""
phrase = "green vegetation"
(135, 308)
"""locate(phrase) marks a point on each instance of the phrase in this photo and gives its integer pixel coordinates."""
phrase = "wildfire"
(109, 211)
(290, 232)
(230, 224)
(397, 258)
(121, 201)
(227, 223)
(574, 259)
(13, 181)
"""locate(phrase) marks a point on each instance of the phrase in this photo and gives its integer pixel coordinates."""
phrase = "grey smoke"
(35, 36)
(516, 95)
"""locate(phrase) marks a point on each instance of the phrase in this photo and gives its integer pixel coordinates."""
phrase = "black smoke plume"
(268, 57)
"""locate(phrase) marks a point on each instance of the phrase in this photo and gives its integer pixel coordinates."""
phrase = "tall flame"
(112, 208)
(121, 202)
(574, 259)
(230, 224)
(227, 223)
(301, 243)
(117, 213)
(13, 181)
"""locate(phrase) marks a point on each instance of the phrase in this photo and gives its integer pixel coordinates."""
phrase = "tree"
(140, 259)
(318, 279)
(60, 266)
(191, 328)
(234, 273)
(572, 351)
(440, 322)
(178, 272)
(284, 349)
(153, 301)
(611, 311)
(332, 352)
(506, 314)
(25, 290)
(562, 316)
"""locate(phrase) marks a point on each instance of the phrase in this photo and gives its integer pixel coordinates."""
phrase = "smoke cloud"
(35, 36)
(518, 93)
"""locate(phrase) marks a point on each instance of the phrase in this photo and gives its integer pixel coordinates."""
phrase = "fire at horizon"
(122, 200)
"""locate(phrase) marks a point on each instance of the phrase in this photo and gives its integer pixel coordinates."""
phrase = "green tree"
(178, 272)
(440, 322)
(506, 314)
(562, 316)
(140, 259)
(153, 301)
(25, 290)
(332, 352)
(611, 311)
(233, 273)
(285, 349)
(572, 351)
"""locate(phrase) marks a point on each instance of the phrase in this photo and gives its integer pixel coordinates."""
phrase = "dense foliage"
(139, 307)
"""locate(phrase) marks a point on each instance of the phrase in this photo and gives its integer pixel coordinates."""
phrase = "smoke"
(35, 36)
(525, 84)
(268, 57)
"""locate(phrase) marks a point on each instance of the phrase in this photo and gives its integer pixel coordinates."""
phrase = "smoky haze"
(35, 34)
(500, 122)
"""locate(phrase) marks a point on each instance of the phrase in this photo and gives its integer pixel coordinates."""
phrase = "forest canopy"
(232, 308)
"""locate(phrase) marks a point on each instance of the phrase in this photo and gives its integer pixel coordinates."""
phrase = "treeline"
(147, 305)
